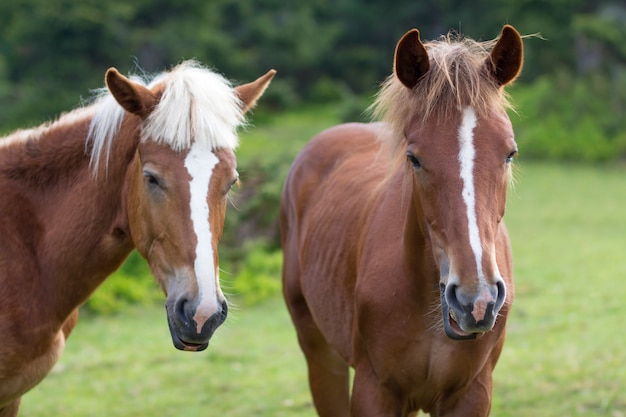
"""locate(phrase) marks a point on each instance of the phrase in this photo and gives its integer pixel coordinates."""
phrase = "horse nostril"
(451, 297)
(181, 309)
(500, 296)
(224, 311)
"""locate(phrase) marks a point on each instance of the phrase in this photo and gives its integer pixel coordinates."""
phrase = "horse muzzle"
(468, 316)
(185, 332)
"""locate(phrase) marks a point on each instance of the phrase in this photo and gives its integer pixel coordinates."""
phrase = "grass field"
(565, 353)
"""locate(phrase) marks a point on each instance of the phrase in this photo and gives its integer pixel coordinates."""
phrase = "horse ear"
(507, 56)
(133, 97)
(250, 93)
(411, 60)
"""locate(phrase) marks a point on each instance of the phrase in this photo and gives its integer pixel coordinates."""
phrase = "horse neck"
(417, 247)
(79, 230)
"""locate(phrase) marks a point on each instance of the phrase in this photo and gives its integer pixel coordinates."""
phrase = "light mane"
(197, 105)
(457, 78)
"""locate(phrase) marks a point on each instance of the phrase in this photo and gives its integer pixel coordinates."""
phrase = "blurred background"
(53, 52)
(331, 56)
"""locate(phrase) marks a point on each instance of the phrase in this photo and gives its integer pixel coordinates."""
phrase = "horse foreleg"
(371, 398)
(328, 381)
(11, 409)
(476, 401)
(328, 372)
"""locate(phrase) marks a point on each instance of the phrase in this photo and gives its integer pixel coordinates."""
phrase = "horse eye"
(413, 160)
(151, 179)
(510, 156)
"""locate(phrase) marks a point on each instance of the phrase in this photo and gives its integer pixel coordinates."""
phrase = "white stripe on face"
(200, 162)
(466, 158)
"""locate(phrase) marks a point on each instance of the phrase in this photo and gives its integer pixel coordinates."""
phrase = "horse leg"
(10, 410)
(370, 398)
(476, 401)
(328, 373)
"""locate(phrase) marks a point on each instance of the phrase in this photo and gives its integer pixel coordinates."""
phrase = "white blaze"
(200, 163)
(466, 158)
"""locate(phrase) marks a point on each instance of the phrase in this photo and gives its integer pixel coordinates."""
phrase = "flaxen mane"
(457, 78)
(197, 105)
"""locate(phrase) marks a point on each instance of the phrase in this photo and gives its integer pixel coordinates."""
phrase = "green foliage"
(259, 277)
(323, 50)
(567, 119)
(131, 284)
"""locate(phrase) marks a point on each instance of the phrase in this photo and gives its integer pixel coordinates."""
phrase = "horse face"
(462, 171)
(177, 186)
(462, 168)
(176, 220)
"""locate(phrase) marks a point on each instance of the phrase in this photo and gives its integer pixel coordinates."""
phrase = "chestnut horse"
(396, 259)
(145, 166)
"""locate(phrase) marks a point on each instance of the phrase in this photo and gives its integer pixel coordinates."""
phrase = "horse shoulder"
(323, 204)
(328, 185)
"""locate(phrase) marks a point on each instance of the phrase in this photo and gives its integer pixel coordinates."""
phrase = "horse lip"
(449, 329)
(180, 344)
(187, 346)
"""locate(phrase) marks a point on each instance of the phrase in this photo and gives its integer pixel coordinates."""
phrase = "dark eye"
(510, 156)
(151, 179)
(413, 160)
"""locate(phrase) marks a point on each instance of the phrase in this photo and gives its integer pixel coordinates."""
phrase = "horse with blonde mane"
(396, 259)
(146, 166)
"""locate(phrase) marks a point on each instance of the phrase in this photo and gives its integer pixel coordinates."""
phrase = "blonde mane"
(197, 105)
(458, 77)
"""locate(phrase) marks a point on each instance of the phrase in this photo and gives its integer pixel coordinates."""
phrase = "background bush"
(565, 119)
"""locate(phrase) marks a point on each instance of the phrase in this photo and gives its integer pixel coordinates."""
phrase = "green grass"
(126, 365)
(564, 354)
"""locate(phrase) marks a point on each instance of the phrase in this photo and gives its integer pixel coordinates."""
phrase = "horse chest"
(19, 375)
(425, 366)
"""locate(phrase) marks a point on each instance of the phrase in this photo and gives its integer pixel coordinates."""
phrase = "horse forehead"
(165, 156)
(496, 122)
(210, 169)
(152, 151)
(441, 136)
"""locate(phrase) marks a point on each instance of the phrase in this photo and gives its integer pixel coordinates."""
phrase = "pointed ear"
(411, 60)
(250, 93)
(133, 97)
(507, 56)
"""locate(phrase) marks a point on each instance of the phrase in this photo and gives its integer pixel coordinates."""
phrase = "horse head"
(177, 185)
(459, 145)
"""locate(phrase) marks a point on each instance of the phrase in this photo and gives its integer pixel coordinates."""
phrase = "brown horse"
(396, 259)
(145, 166)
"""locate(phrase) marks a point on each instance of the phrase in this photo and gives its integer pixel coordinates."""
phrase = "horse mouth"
(451, 327)
(188, 346)
(184, 332)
